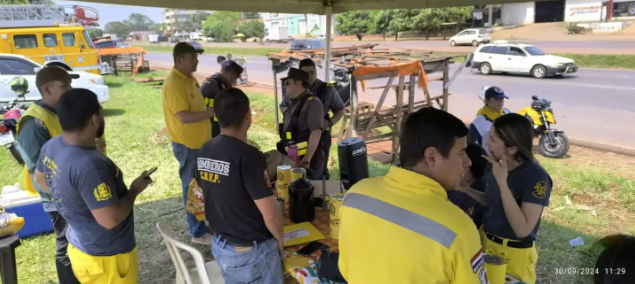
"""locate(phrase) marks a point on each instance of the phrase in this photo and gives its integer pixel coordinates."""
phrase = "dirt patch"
(617, 164)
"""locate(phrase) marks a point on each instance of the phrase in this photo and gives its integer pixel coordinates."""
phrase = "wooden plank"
(411, 93)
(379, 105)
(446, 86)
(376, 76)
(149, 79)
(395, 141)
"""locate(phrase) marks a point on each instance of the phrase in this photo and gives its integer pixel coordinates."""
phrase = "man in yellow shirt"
(188, 123)
(402, 228)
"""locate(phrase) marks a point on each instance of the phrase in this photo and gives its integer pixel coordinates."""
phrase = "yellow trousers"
(115, 269)
(521, 263)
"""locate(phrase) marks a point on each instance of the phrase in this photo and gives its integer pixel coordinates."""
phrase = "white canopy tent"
(321, 7)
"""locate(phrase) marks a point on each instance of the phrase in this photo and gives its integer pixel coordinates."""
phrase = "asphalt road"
(616, 46)
(593, 104)
(592, 44)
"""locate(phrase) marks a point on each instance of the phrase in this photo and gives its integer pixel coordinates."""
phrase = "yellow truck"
(49, 39)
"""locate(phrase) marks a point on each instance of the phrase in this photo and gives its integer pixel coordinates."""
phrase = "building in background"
(294, 25)
(565, 11)
(172, 16)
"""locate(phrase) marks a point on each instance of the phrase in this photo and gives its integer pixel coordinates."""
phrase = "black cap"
(495, 93)
(231, 65)
(53, 73)
(297, 74)
(183, 48)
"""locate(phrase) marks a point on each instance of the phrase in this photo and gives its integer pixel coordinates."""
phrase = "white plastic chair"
(204, 273)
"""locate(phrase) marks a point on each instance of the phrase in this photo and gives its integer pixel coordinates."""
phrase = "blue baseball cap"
(494, 92)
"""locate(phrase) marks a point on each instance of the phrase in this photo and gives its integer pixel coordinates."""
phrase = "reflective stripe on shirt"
(401, 217)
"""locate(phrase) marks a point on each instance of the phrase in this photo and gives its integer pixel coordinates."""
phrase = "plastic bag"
(195, 203)
(10, 223)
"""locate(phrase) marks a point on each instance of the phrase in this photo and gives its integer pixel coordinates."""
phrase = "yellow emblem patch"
(540, 189)
(102, 192)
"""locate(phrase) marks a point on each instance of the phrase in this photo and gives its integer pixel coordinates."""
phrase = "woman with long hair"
(517, 189)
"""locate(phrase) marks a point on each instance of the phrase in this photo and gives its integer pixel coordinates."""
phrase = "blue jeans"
(259, 264)
(187, 167)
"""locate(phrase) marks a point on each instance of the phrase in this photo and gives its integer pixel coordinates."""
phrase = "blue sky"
(110, 13)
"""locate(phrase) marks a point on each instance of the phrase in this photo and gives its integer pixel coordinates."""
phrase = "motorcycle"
(10, 114)
(553, 143)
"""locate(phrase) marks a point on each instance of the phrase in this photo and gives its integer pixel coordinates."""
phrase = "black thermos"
(353, 161)
(301, 201)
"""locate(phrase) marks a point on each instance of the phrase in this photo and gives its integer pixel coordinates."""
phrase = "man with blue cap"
(494, 99)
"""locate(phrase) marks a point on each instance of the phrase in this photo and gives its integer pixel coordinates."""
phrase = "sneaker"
(204, 240)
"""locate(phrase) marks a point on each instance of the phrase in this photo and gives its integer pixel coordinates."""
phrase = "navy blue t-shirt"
(529, 182)
(80, 180)
(468, 204)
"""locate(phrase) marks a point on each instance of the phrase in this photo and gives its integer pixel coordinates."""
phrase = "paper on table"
(296, 234)
(301, 233)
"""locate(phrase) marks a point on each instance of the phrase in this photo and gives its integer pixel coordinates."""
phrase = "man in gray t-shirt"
(89, 192)
(331, 100)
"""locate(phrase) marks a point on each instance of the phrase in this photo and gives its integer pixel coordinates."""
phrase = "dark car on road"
(304, 44)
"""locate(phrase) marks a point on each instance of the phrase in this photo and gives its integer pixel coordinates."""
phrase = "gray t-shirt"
(330, 98)
(80, 180)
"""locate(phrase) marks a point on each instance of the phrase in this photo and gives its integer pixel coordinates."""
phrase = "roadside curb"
(618, 149)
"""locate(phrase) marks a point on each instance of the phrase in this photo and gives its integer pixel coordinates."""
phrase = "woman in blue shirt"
(517, 189)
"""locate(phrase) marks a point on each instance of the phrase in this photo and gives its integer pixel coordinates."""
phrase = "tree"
(431, 19)
(95, 33)
(253, 28)
(381, 21)
(195, 21)
(139, 22)
(401, 21)
(356, 23)
(121, 29)
(221, 25)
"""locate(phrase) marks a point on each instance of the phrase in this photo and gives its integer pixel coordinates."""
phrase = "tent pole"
(275, 94)
(327, 53)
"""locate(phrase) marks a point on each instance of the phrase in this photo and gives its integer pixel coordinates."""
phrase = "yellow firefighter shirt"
(402, 228)
(181, 93)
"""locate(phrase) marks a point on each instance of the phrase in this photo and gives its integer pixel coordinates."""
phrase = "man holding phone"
(240, 206)
(90, 193)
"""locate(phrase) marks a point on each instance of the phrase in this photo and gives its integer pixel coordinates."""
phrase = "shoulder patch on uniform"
(478, 261)
(102, 192)
(310, 98)
(540, 189)
(331, 84)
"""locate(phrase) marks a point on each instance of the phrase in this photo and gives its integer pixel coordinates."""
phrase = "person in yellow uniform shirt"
(37, 126)
(517, 189)
(401, 228)
(89, 190)
(188, 123)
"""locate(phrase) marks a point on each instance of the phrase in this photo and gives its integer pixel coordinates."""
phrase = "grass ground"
(615, 61)
(243, 51)
(594, 193)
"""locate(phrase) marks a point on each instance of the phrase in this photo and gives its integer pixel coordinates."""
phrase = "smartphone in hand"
(150, 172)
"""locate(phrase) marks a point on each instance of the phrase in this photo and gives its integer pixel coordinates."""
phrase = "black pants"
(62, 262)
(326, 142)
